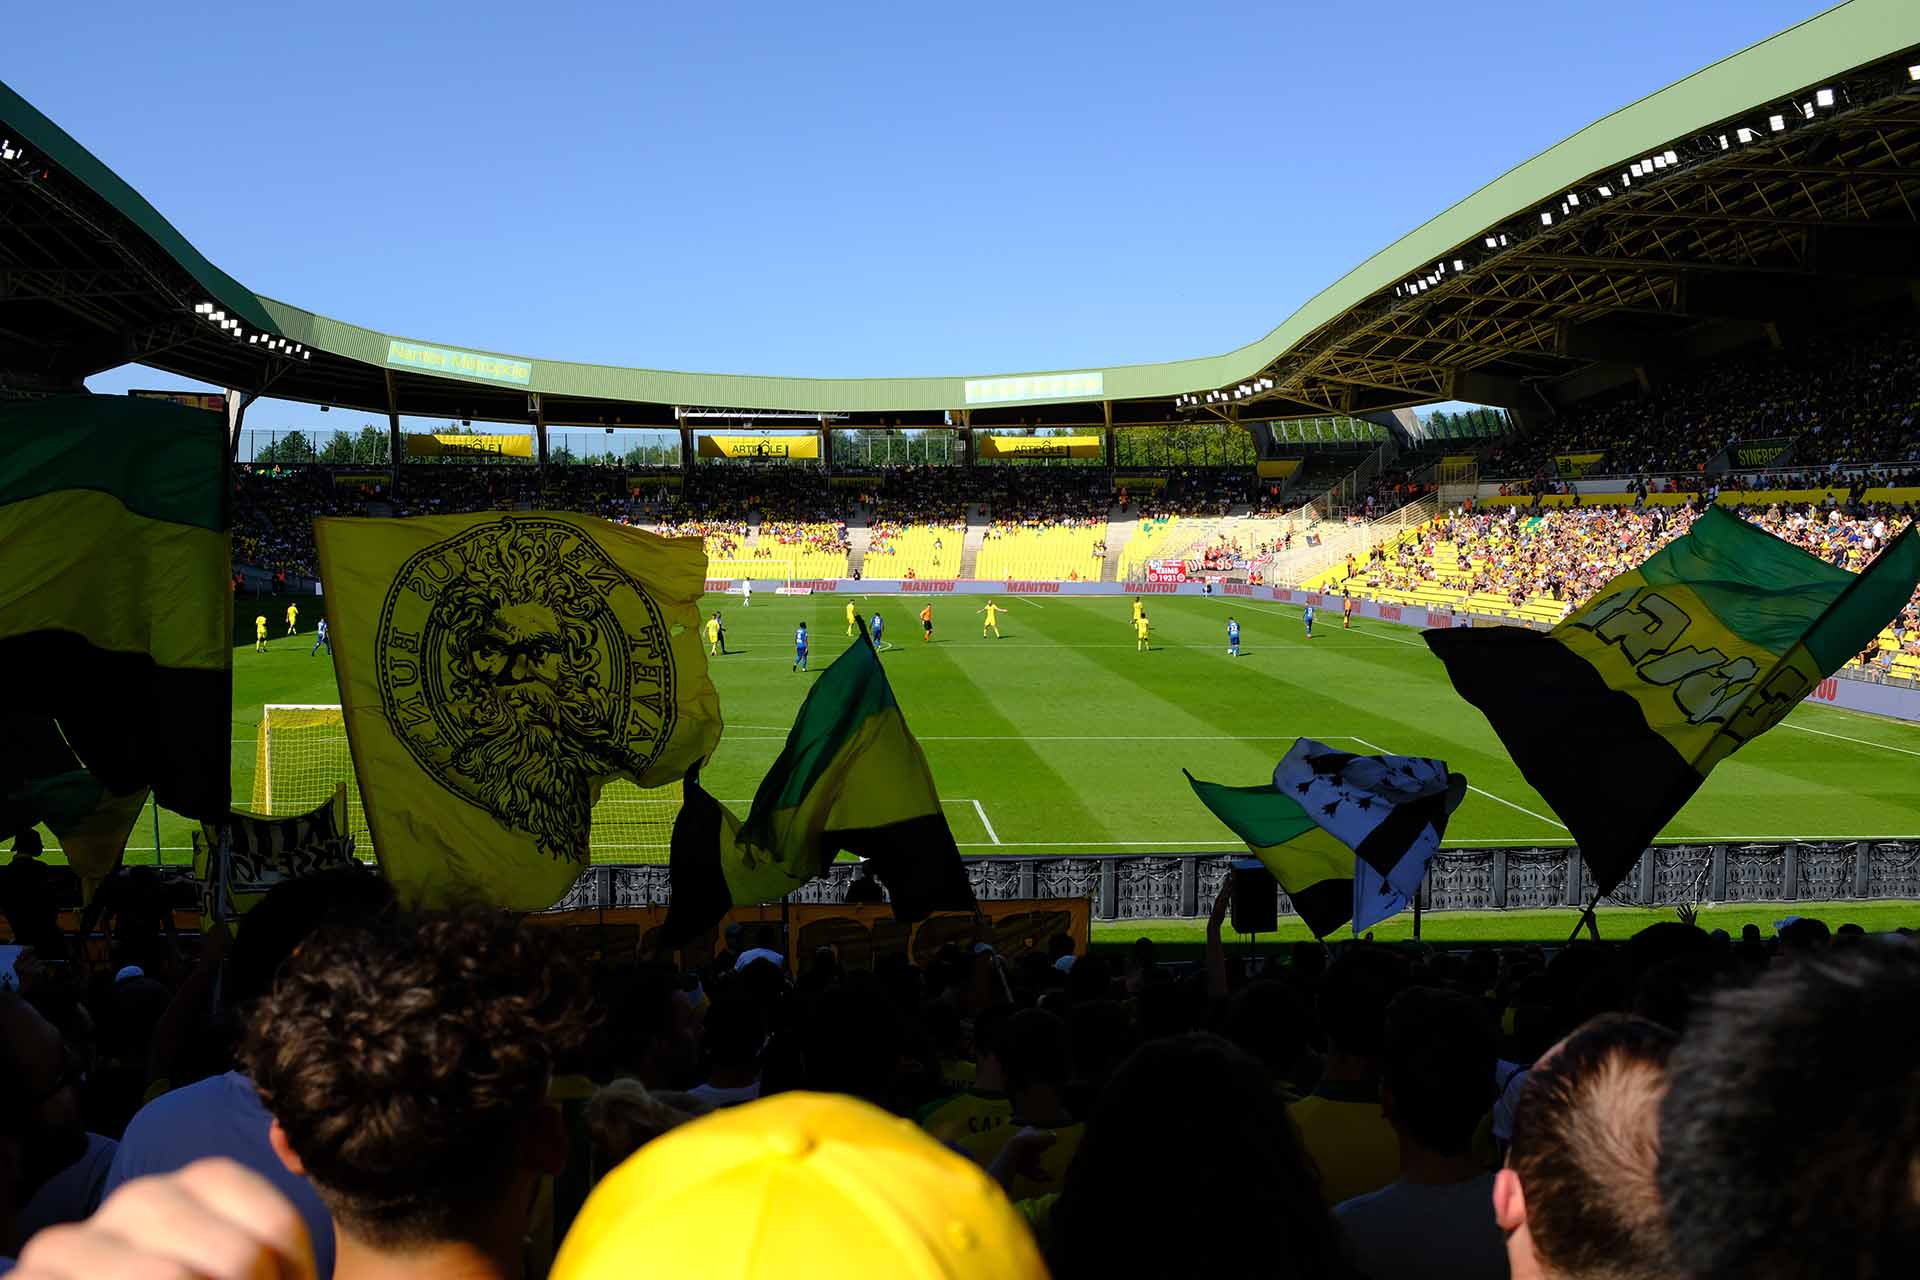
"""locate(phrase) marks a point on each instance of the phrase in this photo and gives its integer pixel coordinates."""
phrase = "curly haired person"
(406, 1068)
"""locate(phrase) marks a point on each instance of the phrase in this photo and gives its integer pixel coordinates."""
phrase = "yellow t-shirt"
(293, 611)
(993, 614)
(849, 612)
(713, 631)
(965, 1115)
(260, 625)
(1140, 627)
(1138, 609)
(1347, 1135)
(983, 1147)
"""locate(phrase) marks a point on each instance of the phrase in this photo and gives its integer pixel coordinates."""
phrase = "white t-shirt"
(1424, 1232)
(221, 1116)
(716, 1097)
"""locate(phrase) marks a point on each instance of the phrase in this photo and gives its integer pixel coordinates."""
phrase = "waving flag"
(496, 671)
(850, 777)
(1348, 837)
(1618, 714)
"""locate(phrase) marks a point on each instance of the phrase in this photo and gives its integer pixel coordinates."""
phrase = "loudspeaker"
(1254, 906)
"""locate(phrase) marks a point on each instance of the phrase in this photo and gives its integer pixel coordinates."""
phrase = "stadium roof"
(1760, 185)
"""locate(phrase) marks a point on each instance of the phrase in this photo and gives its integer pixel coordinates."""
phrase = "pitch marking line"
(992, 835)
(1905, 751)
(1371, 635)
(1476, 790)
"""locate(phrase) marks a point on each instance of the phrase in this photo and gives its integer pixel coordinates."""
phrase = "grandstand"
(1706, 297)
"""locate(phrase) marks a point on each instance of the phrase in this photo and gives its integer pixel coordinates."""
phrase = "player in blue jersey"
(1233, 636)
(800, 648)
(879, 625)
(1309, 617)
(321, 642)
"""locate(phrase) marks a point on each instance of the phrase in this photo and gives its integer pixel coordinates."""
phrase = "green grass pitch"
(1060, 738)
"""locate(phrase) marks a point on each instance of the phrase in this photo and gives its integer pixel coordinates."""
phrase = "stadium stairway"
(976, 536)
(1120, 527)
(859, 538)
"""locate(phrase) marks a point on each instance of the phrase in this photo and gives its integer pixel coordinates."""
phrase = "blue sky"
(838, 190)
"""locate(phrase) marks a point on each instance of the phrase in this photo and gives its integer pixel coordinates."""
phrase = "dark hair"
(402, 1061)
(1354, 997)
(1270, 1022)
(1198, 1106)
(1034, 1050)
(1585, 1143)
(735, 1032)
(1438, 1067)
(341, 898)
(1789, 1131)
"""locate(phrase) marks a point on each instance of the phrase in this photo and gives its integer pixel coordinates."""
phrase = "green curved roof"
(1826, 45)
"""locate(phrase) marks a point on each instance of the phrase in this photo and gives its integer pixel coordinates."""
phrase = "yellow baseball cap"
(798, 1186)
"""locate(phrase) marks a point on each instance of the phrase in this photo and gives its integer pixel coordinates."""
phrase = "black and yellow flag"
(851, 777)
(496, 670)
(116, 617)
(1618, 714)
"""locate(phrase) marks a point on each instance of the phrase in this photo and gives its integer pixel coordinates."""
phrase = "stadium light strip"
(214, 315)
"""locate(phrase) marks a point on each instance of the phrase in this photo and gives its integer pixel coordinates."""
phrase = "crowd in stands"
(345, 1089)
(1844, 399)
(1565, 554)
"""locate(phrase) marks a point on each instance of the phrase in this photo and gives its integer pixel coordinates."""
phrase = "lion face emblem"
(522, 668)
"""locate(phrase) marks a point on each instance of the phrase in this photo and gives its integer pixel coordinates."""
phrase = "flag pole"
(1587, 920)
(1419, 894)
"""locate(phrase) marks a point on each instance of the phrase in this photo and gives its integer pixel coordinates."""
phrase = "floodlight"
(252, 339)
(1606, 192)
(1546, 219)
(1573, 199)
(1492, 243)
(1777, 123)
(1723, 142)
(1673, 157)
(220, 317)
(1823, 97)
(202, 308)
(1459, 265)
(1636, 170)
(1659, 162)
(1913, 72)
(1745, 136)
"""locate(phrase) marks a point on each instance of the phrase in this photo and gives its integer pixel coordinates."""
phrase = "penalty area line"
(1476, 790)
(1905, 751)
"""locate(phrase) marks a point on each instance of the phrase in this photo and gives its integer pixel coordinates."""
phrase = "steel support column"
(393, 435)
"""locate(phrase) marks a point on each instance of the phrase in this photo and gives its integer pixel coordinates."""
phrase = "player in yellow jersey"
(993, 620)
(713, 634)
(1139, 611)
(1140, 630)
(853, 619)
(293, 618)
(260, 633)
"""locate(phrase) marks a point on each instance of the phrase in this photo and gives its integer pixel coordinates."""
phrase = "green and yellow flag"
(116, 616)
(1314, 868)
(496, 670)
(850, 777)
(1618, 714)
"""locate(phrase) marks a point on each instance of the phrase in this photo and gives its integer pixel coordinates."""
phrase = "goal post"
(301, 755)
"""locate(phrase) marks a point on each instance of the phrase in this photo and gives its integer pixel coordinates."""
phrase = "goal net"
(300, 756)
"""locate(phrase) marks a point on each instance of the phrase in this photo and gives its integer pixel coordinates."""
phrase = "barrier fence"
(1174, 885)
